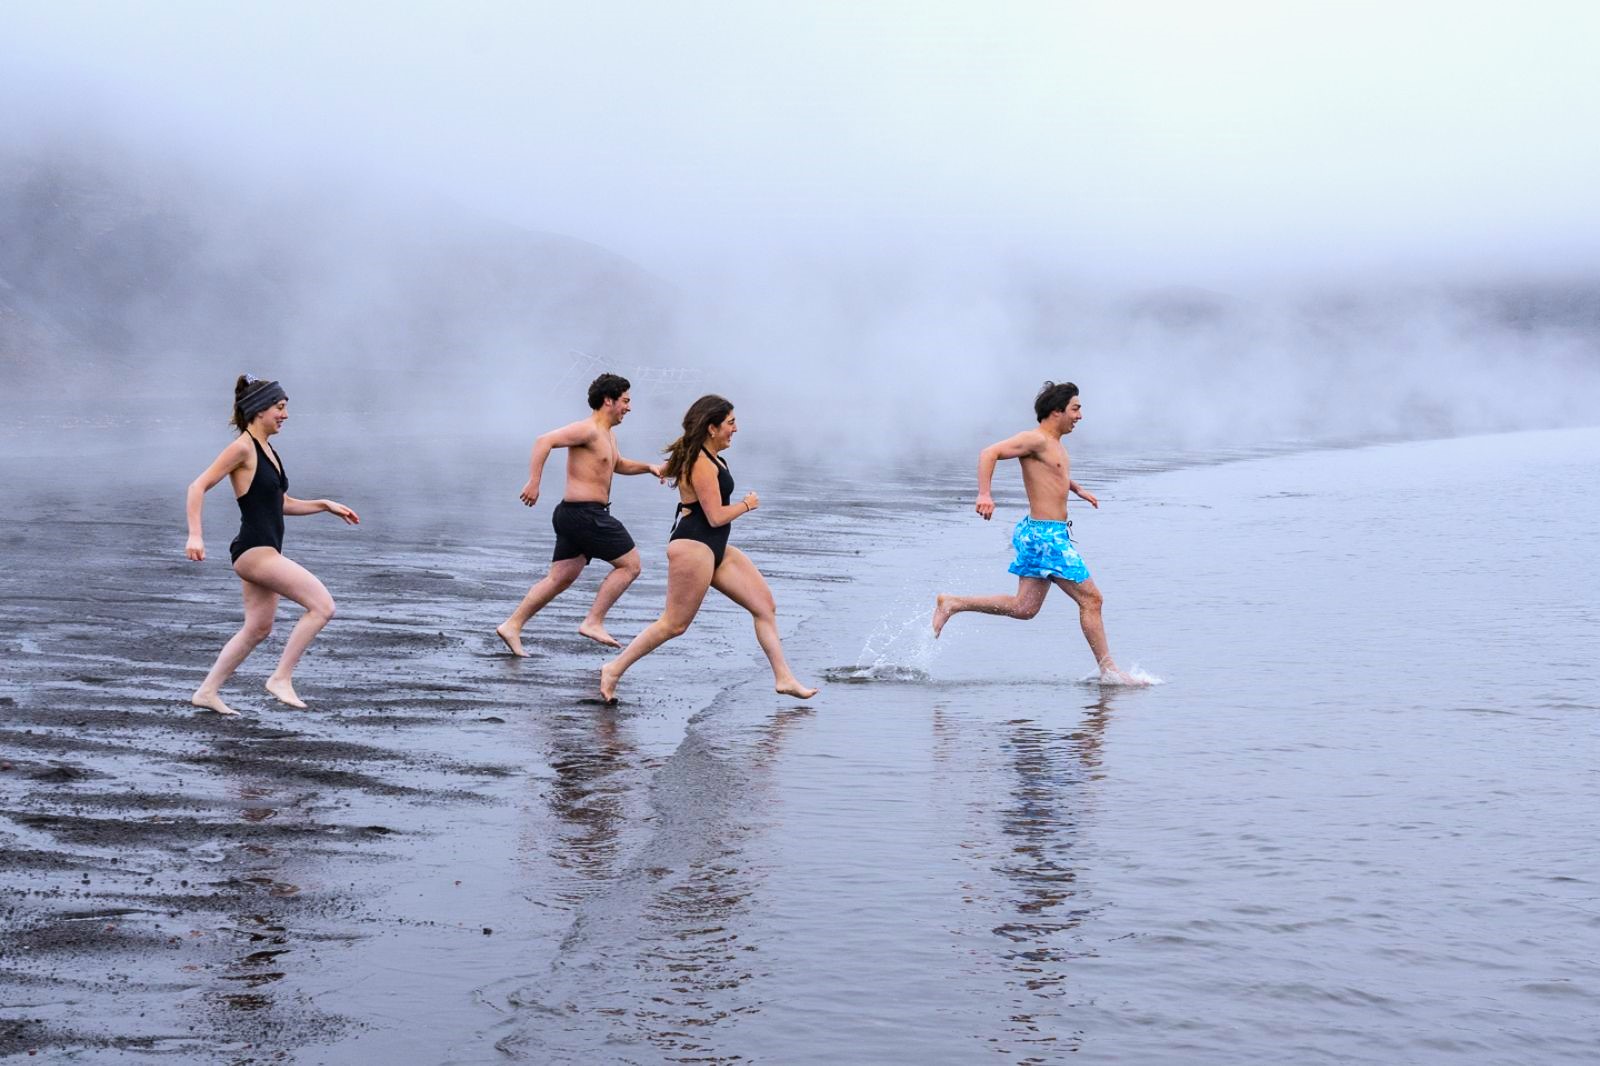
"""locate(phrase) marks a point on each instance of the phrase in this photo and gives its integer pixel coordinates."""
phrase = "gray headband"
(259, 396)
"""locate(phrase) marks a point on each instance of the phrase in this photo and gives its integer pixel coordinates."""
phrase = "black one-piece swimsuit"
(691, 522)
(261, 508)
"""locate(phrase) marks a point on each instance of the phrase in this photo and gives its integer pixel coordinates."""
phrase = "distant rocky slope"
(157, 277)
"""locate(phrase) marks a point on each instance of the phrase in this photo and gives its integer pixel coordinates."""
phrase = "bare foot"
(211, 701)
(793, 687)
(608, 683)
(284, 691)
(597, 633)
(1112, 674)
(512, 638)
(941, 614)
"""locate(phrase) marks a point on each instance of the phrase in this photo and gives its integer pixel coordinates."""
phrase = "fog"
(875, 226)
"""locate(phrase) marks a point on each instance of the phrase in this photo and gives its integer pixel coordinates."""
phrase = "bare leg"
(688, 578)
(739, 580)
(1090, 601)
(1025, 604)
(265, 567)
(563, 572)
(623, 571)
(260, 604)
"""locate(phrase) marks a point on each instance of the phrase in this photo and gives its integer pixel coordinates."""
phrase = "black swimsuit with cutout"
(261, 508)
(691, 522)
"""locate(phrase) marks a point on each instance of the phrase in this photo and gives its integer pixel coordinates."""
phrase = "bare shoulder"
(235, 455)
(706, 470)
(579, 434)
(1032, 443)
(700, 476)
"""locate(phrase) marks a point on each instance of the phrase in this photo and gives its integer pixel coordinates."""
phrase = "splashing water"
(1134, 676)
(897, 650)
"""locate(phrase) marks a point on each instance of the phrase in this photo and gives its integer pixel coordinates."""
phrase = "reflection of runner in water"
(584, 527)
(260, 484)
(1043, 538)
(698, 554)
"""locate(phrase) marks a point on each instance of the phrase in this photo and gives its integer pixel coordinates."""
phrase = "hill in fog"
(172, 280)
(178, 280)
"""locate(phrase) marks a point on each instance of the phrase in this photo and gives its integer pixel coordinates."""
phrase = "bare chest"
(595, 461)
(1052, 467)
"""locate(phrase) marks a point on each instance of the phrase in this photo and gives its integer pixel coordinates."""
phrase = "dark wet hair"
(1053, 398)
(606, 387)
(707, 411)
(240, 420)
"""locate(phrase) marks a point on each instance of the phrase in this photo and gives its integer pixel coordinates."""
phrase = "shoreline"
(179, 882)
(303, 883)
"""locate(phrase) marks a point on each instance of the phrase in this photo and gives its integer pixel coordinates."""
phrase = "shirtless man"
(1043, 542)
(584, 527)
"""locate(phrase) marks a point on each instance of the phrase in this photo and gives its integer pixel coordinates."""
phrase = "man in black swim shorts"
(585, 528)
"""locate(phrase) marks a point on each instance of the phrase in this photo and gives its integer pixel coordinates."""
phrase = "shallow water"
(1352, 824)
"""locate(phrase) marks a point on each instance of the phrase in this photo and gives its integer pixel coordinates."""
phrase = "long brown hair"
(707, 411)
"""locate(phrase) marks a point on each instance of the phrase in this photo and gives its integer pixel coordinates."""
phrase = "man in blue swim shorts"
(1043, 539)
(1044, 550)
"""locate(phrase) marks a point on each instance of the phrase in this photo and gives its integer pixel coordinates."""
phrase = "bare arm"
(1087, 497)
(569, 436)
(299, 507)
(1024, 443)
(232, 458)
(703, 479)
(634, 466)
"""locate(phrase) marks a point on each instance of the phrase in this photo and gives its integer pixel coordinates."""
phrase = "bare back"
(1046, 473)
(591, 462)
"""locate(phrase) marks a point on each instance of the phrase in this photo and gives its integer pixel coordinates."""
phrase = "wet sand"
(1352, 824)
(169, 869)
(177, 882)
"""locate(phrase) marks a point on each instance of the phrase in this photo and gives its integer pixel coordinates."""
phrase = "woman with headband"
(260, 485)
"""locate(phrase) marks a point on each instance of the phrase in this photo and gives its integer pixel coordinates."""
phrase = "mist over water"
(1232, 230)
(1282, 232)
(433, 319)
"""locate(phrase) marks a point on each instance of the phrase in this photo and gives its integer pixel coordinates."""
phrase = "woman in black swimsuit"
(698, 555)
(261, 486)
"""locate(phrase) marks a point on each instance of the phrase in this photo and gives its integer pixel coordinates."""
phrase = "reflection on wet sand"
(595, 762)
(656, 955)
(262, 936)
(1036, 906)
(1048, 798)
(703, 957)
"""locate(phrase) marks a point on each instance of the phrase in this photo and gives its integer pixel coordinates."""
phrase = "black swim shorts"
(587, 529)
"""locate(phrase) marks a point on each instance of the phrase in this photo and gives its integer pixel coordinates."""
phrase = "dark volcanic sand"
(1354, 823)
(177, 882)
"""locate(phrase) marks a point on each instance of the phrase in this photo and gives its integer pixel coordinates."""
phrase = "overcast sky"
(1155, 143)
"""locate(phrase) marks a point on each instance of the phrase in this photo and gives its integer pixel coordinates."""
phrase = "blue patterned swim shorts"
(1044, 549)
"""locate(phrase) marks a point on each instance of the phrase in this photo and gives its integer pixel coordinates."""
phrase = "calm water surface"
(1353, 825)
